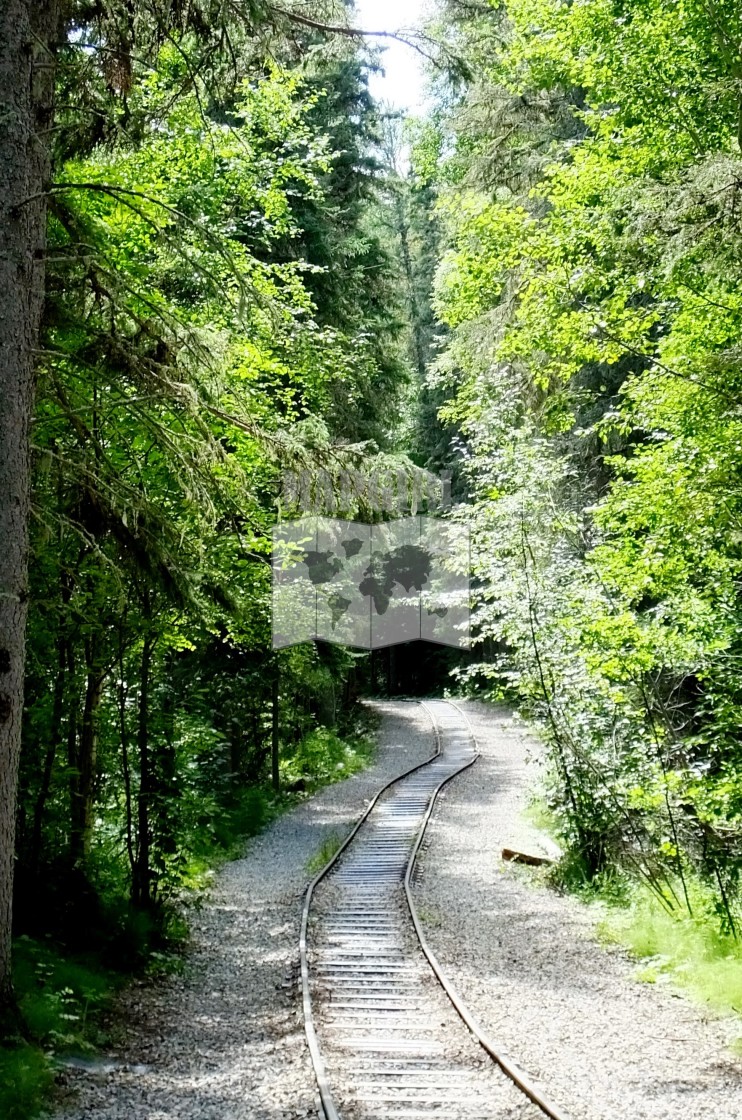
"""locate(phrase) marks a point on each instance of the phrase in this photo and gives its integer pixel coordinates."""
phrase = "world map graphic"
(369, 586)
(407, 566)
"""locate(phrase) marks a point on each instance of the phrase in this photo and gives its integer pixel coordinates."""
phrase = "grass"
(538, 813)
(329, 847)
(689, 952)
(429, 917)
(25, 1080)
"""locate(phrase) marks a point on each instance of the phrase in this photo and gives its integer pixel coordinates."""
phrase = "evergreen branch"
(413, 40)
(122, 195)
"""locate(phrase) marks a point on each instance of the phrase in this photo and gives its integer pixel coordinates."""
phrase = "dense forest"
(587, 181)
(219, 260)
(212, 204)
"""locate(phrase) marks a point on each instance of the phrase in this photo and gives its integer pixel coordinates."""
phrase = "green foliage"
(219, 833)
(25, 1080)
(687, 952)
(59, 995)
(60, 998)
(589, 282)
(322, 756)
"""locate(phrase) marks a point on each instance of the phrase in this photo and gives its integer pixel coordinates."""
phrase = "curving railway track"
(389, 1037)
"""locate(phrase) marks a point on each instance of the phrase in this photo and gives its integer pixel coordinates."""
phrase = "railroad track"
(389, 1037)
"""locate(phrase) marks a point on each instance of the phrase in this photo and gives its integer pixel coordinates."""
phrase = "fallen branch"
(512, 856)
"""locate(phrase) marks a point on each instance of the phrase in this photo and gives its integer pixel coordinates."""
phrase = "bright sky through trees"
(403, 81)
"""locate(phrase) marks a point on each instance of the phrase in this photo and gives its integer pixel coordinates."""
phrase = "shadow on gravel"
(225, 1041)
(525, 961)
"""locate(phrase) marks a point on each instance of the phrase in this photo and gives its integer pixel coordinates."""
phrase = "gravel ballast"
(525, 959)
(225, 1040)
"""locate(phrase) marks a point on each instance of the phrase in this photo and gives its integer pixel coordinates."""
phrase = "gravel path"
(225, 1041)
(524, 958)
(392, 1043)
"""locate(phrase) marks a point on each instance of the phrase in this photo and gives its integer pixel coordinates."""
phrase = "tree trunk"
(28, 33)
(124, 732)
(391, 671)
(418, 345)
(83, 777)
(141, 885)
(165, 771)
(64, 663)
(55, 736)
(275, 770)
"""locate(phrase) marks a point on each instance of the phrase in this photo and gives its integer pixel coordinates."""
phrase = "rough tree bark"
(28, 34)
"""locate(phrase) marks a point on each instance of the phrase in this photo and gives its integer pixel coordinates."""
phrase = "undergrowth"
(222, 836)
(25, 1080)
(688, 951)
(60, 999)
(59, 995)
(323, 757)
(65, 980)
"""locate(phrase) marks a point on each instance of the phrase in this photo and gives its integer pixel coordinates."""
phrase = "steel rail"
(508, 1067)
(506, 1064)
(328, 1104)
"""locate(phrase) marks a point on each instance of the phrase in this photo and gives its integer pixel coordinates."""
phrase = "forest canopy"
(587, 183)
(220, 259)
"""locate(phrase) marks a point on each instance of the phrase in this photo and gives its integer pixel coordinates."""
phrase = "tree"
(181, 358)
(28, 33)
(588, 285)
